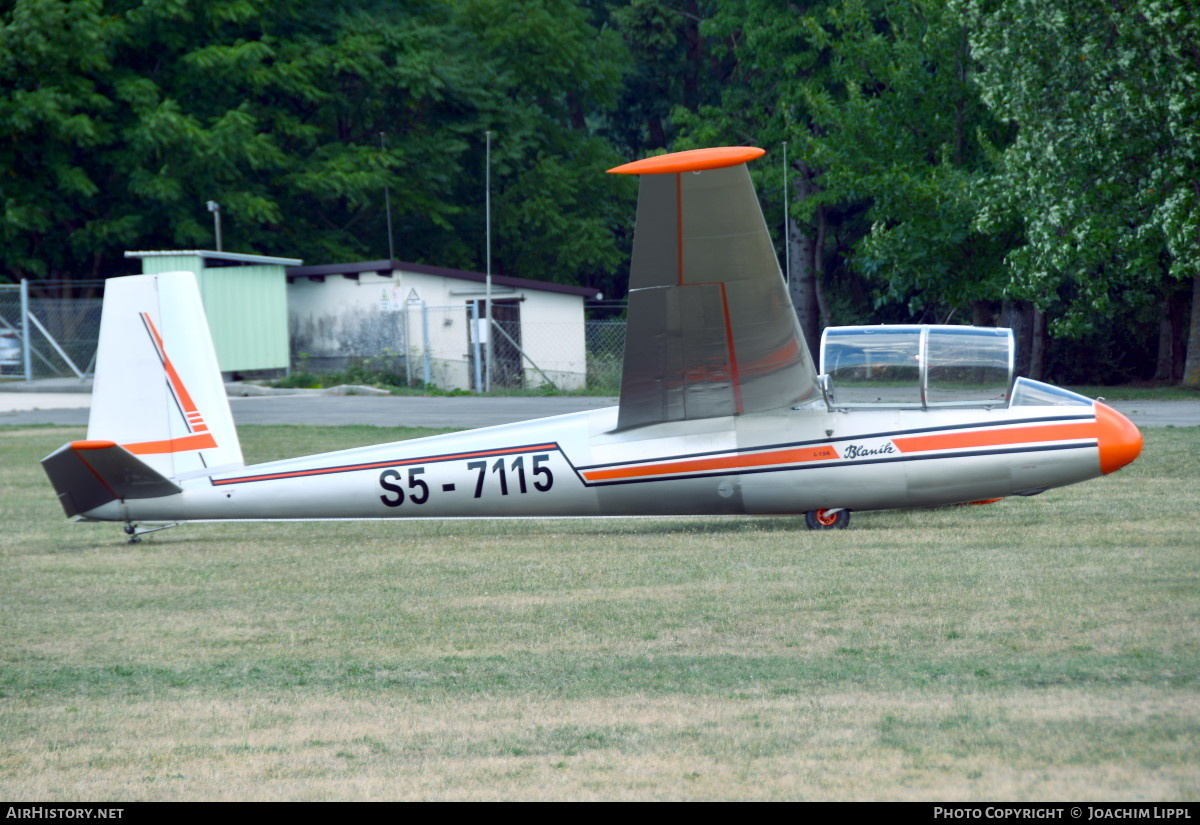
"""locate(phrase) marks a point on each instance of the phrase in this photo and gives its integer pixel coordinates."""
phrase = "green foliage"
(1102, 171)
(900, 127)
(120, 120)
(677, 65)
(889, 143)
(942, 155)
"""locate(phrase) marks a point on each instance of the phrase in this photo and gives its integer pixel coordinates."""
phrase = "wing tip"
(691, 160)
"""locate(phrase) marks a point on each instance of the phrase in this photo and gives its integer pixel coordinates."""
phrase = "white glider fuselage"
(722, 409)
(785, 462)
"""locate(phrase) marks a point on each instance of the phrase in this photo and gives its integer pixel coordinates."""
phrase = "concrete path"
(71, 409)
(381, 411)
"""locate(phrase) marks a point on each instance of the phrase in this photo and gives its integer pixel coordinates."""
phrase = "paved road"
(71, 409)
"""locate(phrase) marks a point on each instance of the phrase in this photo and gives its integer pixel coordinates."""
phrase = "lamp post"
(215, 208)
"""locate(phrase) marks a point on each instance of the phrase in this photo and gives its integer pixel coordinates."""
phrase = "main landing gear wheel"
(827, 519)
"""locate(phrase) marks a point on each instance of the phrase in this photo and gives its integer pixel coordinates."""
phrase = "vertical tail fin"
(711, 329)
(158, 390)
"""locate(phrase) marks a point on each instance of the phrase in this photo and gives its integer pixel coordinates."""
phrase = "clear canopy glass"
(918, 366)
(1030, 393)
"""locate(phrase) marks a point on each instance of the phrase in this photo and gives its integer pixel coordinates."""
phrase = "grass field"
(1043, 648)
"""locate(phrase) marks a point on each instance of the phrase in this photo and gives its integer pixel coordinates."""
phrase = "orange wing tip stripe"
(736, 462)
(188, 443)
(92, 445)
(996, 438)
(693, 160)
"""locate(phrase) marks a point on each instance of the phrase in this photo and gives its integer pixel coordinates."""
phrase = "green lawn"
(1043, 648)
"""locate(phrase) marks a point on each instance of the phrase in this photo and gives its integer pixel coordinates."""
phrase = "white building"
(420, 317)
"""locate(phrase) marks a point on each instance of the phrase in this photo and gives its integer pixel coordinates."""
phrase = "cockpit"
(926, 367)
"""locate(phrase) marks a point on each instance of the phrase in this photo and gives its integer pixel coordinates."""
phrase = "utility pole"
(787, 229)
(487, 296)
(387, 199)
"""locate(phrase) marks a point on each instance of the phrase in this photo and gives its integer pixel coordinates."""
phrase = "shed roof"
(386, 266)
(213, 258)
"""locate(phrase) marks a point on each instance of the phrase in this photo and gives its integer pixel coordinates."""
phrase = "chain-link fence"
(605, 354)
(448, 349)
(49, 329)
(442, 346)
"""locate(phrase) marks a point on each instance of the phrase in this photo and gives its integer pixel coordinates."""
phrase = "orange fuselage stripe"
(733, 462)
(375, 465)
(910, 444)
(995, 438)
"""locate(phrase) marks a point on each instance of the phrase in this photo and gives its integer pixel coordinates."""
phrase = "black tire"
(826, 520)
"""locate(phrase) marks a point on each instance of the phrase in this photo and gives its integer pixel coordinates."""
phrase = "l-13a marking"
(722, 410)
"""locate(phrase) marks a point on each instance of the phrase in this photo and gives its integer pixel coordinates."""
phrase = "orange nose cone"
(1120, 440)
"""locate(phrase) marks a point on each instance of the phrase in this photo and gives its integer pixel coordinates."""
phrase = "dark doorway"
(506, 355)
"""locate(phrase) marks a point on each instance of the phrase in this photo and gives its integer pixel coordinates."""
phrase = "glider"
(722, 409)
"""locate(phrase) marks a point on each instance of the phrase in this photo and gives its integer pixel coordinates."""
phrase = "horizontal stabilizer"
(88, 474)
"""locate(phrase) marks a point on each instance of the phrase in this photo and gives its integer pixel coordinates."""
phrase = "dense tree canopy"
(1102, 172)
(900, 126)
(945, 157)
(123, 118)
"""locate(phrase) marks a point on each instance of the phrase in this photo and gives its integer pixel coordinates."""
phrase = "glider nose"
(1120, 441)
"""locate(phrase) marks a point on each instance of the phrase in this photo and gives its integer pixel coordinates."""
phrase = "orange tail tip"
(1120, 440)
(94, 444)
(692, 160)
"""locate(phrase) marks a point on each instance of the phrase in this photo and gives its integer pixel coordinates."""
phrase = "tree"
(1102, 172)
(672, 64)
(121, 118)
(901, 128)
(888, 141)
(557, 216)
(769, 60)
(53, 113)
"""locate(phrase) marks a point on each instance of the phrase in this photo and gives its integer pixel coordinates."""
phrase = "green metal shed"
(245, 298)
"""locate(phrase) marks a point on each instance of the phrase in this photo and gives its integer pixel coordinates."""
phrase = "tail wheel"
(827, 519)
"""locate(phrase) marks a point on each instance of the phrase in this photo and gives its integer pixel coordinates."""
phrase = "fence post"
(475, 345)
(408, 349)
(25, 330)
(425, 344)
